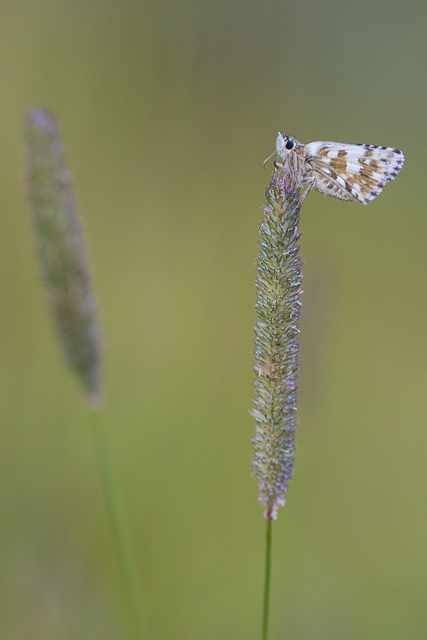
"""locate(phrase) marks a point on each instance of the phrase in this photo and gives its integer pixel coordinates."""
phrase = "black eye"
(289, 144)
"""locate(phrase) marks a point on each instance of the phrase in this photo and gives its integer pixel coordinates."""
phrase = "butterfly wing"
(352, 171)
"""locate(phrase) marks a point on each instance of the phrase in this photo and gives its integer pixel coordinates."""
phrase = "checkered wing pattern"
(352, 172)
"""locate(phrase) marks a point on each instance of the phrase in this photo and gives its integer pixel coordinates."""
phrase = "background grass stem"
(120, 528)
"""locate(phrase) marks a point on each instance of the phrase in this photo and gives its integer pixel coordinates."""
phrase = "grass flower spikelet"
(276, 348)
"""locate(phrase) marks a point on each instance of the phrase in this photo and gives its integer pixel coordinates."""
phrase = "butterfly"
(351, 172)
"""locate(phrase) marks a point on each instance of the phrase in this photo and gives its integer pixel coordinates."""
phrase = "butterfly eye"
(290, 144)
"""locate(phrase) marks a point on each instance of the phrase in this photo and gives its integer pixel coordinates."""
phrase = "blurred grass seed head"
(63, 258)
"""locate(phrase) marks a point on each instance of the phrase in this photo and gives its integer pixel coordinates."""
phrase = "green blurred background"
(168, 110)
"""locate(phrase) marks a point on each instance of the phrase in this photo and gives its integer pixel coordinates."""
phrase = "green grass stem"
(120, 528)
(267, 581)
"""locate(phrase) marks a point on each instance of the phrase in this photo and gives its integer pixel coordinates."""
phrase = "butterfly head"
(284, 145)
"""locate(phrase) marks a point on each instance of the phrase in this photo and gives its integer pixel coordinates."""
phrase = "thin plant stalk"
(267, 581)
(119, 526)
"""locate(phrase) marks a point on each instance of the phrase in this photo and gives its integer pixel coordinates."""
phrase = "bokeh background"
(168, 110)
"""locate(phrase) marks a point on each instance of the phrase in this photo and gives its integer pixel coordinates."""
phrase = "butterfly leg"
(306, 192)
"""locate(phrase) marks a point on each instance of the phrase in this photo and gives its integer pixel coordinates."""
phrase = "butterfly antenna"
(264, 164)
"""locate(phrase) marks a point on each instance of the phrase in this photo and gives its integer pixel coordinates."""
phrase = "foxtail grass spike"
(276, 348)
(62, 252)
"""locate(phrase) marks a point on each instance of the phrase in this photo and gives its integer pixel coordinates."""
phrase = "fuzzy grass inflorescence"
(65, 270)
(276, 347)
(62, 252)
